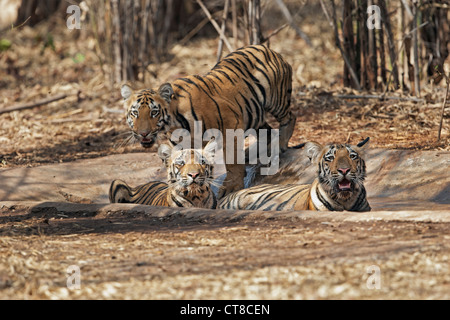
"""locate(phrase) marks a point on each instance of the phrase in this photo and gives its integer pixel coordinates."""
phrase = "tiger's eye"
(179, 163)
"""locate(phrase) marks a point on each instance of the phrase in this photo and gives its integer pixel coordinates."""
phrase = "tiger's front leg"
(287, 126)
(234, 157)
(234, 181)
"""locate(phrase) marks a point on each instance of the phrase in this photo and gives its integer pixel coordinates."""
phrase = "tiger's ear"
(362, 147)
(363, 144)
(126, 91)
(166, 92)
(313, 150)
(164, 152)
(210, 150)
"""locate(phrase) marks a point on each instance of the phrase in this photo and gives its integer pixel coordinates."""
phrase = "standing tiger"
(190, 174)
(235, 94)
(338, 186)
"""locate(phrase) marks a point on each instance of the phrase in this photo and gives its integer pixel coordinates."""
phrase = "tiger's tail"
(120, 192)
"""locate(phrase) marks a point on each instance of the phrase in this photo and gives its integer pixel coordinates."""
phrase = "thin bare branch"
(215, 25)
(289, 18)
(33, 104)
(275, 32)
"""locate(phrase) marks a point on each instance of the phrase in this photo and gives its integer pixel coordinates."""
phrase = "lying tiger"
(338, 186)
(190, 175)
(236, 94)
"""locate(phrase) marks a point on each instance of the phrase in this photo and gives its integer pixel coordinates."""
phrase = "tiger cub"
(189, 174)
(236, 94)
(338, 186)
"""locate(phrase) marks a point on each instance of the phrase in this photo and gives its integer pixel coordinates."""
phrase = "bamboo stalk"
(416, 53)
(235, 27)
(166, 25)
(125, 43)
(143, 55)
(406, 38)
(373, 64)
(348, 41)
(222, 28)
(256, 22)
(215, 25)
(382, 54)
(390, 40)
(289, 18)
(116, 41)
(363, 45)
(333, 24)
(447, 81)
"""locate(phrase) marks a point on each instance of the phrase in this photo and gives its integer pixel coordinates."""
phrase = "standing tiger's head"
(147, 112)
(341, 168)
(189, 171)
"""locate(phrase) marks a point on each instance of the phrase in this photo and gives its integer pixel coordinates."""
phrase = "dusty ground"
(122, 255)
(171, 255)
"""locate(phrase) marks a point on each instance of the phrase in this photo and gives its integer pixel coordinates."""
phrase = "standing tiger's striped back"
(338, 186)
(236, 95)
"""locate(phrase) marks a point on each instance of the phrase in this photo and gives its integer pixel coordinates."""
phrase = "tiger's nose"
(193, 175)
(344, 171)
(144, 133)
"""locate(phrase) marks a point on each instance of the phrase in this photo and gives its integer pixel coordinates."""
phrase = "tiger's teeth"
(344, 184)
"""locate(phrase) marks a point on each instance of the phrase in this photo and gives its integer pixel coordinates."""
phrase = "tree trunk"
(373, 65)
(391, 42)
(348, 42)
(364, 45)
(34, 11)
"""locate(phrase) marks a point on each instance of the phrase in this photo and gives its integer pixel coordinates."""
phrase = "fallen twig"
(375, 96)
(33, 104)
(66, 120)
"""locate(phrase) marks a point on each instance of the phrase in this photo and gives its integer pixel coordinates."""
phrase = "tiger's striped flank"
(338, 186)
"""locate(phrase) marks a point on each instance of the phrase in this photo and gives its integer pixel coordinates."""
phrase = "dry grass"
(90, 122)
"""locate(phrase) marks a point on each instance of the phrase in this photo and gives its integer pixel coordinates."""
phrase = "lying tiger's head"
(147, 112)
(342, 169)
(190, 171)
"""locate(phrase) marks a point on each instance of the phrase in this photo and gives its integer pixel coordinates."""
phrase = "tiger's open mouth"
(345, 185)
(148, 142)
